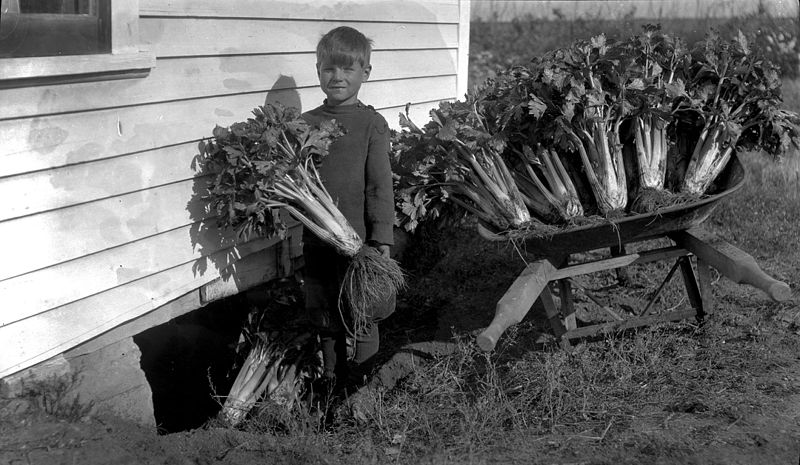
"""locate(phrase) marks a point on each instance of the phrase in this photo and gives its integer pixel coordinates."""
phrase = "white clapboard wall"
(100, 222)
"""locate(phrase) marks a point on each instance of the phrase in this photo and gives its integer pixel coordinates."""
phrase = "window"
(36, 28)
(57, 41)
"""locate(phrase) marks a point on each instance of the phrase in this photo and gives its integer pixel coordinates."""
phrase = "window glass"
(37, 28)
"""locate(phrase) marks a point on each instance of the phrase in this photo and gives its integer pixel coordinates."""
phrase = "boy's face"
(341, 82)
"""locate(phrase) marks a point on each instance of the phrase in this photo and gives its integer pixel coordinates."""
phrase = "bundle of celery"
(733, 96)
(282, 356)
(596, 103)
(512, 107)
(569, 102)
(655, 82)
(454, 159)
(268, 163)
(277, 368)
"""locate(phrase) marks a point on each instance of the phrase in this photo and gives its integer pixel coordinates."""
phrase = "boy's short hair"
(344, 45)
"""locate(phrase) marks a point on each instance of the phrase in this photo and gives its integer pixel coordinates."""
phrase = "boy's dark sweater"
(356, 172)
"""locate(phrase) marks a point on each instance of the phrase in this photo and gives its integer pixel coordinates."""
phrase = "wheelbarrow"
(692, 246)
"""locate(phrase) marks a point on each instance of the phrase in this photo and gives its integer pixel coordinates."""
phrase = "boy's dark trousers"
(323, 273)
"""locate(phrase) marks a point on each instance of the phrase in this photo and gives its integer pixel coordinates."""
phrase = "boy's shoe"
(357, 375)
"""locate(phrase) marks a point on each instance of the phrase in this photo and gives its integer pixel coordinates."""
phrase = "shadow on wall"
(214, 242)
(284, 91)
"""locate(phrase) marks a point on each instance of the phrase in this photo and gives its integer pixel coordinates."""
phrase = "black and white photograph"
(415, 232)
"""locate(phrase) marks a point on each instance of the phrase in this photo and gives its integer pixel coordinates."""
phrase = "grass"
(470, 406)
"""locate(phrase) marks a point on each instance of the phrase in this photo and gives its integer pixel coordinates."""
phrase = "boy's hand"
(383, 249)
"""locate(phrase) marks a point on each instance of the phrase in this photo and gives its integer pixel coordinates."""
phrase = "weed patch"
(52, 395)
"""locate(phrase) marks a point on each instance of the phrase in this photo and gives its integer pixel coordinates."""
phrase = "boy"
(358, 177)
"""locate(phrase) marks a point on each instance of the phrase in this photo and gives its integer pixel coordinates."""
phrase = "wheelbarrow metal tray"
(638, 227)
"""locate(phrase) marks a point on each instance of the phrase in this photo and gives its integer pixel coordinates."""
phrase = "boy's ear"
(367, 70)
(317, 66)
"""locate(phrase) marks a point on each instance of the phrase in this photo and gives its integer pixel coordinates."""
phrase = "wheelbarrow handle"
(516, 302)
(733, 263)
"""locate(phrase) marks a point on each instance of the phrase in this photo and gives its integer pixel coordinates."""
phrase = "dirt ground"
(761, 433)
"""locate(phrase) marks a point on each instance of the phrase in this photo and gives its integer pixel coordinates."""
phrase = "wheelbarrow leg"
(704, 279)
(554, 317)
(623, 279)
(567, 306)
(565, 292)
(692, 288)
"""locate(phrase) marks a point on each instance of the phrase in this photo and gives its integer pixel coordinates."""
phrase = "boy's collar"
(358, 104)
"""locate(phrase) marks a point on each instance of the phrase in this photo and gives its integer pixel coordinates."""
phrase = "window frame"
(128, 59)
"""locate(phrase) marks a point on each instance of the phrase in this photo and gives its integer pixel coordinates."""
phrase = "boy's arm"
(379, 194)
